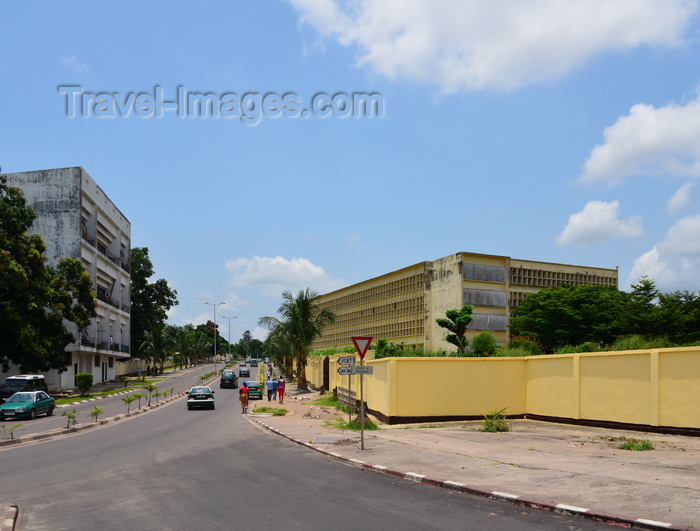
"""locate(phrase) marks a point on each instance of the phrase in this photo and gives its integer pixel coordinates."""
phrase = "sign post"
(361, 345)
(348, 362)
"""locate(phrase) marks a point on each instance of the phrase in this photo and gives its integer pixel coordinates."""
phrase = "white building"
(77, 220)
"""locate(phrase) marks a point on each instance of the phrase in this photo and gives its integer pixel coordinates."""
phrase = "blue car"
(27, 404)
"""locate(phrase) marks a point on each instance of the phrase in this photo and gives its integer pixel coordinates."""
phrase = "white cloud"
(478, 44)
(74, 64)
(681, 201)
(674, 263)
(272, 276)
(598, 222)
(648, 141)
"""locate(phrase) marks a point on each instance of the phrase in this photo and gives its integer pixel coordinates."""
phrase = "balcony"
(102, 249)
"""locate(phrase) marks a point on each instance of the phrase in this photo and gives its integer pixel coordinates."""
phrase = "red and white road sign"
(361, 345)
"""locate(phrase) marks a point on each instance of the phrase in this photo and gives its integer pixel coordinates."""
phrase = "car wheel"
(32, 414)
(49, 412)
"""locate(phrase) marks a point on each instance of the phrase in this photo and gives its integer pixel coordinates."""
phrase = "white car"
(200, 396)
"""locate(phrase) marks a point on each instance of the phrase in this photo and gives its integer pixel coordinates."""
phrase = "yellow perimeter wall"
(655, 387)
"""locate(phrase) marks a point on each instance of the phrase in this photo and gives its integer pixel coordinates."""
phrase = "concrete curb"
(83, 427)
(560, 508)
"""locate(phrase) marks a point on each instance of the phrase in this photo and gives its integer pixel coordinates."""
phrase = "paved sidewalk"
(552, 466)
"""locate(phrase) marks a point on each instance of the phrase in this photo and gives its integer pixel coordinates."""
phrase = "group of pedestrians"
(274, 388)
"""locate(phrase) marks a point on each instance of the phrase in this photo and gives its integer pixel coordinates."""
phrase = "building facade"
(77, 220)
(402, 306)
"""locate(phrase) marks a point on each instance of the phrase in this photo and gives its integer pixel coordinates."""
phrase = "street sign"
(361, 345)
(347, 360)
(355, 369)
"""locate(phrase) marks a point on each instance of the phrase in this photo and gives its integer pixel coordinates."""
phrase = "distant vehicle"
(200, 396)
(244, 371)
(22, 382)
(254, 390)
(27, 404)
(253, 363)
(228, 379)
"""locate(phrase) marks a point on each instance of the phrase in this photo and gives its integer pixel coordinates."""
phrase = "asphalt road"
(212, 469)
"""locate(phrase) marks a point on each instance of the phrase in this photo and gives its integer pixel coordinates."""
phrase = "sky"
(339, 141)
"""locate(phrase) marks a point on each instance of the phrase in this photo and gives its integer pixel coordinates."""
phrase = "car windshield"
(22, 397)
(15, 384)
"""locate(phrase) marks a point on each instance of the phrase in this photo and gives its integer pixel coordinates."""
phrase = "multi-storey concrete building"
(77, 220)
(402, 306)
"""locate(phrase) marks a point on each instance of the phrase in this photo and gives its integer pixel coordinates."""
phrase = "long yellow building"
(402, 306)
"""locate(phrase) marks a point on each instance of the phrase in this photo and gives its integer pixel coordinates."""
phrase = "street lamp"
(229, 332)
(215, 304)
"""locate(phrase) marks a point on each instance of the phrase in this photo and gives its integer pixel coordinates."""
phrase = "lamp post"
(229, 332)
(215, 304)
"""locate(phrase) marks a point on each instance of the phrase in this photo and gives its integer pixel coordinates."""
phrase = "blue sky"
(538, 129)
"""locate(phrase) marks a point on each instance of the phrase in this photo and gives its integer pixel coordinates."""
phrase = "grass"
(353, 425)
(496, 421)
(276, 411)
(630, 443)
(330, 401)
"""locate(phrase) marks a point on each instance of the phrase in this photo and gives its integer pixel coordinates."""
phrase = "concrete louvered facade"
(402, 306)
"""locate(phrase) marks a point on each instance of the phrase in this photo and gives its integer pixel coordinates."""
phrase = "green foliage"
(301, 321)
(10, 430)
(332, 351)
(150, 302)
(456, 323)
(577, 349)
(636, 342)
(37, 299)
(496, 421)
(150, 388)
(128, 399)
(484, 344)
(527, 344)
(138, 396)
(96, 412)
(71, 417)
(84, 382)
(353, 425)
(630, 443)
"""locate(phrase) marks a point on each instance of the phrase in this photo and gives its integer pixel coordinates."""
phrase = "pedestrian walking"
(280, 389)
(270, 389)
(275, 387)
(243, 397)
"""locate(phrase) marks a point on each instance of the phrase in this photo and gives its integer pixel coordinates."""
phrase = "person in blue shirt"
(270, 389)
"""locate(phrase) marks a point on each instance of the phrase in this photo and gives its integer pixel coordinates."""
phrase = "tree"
(150, 302)
(456, 323)
(484, 344)
(36, 299)
(301, 321)
(569, 316)
(157, 344)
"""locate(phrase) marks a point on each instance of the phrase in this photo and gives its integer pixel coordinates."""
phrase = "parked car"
(254, 390)
(27, 404)
(22, 382)
(244, 371)
(228, 379)
(200, 396)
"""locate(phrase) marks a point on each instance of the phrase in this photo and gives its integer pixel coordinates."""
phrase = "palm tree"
(157, 343)
(301, 321)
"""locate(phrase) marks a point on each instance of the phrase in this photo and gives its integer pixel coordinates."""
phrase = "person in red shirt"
(280, 390)
(243, 397)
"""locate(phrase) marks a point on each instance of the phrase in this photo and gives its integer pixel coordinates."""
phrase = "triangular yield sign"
(361, 345)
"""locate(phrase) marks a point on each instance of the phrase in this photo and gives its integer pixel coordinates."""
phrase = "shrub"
(636, 342)
(484, 344)
(84, 382)
(496, 421)
(575, 349)
(528, 343)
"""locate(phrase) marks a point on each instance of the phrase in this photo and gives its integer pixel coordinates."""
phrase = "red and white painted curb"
(560, 508)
